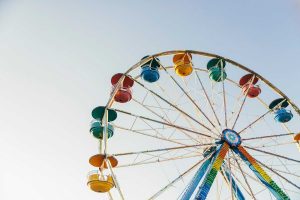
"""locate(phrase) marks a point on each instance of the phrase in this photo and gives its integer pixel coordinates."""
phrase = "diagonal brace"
(212, 173)
(261, 173)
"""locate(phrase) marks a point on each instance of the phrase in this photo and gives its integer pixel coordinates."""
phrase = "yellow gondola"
(100, 183)
(183, 64)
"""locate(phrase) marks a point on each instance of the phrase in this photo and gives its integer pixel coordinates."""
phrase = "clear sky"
(57, 58)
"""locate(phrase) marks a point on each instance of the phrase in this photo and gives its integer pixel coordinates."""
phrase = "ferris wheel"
(186, 124)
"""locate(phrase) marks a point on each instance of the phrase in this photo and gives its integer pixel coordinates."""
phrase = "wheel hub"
(231, 137)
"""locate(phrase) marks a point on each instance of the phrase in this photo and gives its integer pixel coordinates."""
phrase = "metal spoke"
(148, 135)
(158, 161)
(262, 116)
(228, 165)
(151, 106)
(164, 149)
(262, 175)
(176, 179)
(165, 114)
(186, 118)
(108, 193)
(281, 176)
(174, 106)
(207, 98)
(267, 136)
(152, 136)
(244, 100)
(253, 178)
(243, 174)
(273, 154)
(105, 122)
(115, 179)
(159, 156)
(273, 145)
(252, 123)
(153, 129)
(224, 97)
(247, 175)
(285, 172)
(225, 178)
(162, 118)
(189, 97)
(164, 123)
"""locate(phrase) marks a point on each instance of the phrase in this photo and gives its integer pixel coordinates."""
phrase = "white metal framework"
(162, 133)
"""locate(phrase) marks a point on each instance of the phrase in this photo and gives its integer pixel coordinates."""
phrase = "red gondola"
(124, 93)
(249, 88)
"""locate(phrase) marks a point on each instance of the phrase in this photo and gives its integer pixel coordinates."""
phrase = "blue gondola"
(282, 115)
(150, 71)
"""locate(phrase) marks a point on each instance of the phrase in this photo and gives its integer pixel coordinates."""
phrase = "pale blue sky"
(57, 58)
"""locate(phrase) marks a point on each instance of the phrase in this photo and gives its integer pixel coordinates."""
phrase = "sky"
(57, 58)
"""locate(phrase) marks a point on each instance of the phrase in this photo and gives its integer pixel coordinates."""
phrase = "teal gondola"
(216, 69)
(97, 130)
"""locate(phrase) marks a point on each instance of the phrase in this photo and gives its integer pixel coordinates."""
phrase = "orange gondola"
(98, 160)
(297, 137)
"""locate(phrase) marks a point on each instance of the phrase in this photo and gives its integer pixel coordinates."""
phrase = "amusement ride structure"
(217, 121)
